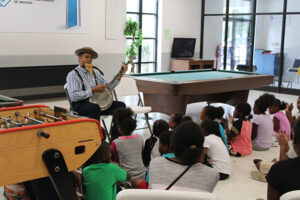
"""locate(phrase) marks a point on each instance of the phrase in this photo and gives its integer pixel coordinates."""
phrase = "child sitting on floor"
(213, 113)
(263, 167)
(128, 148)
(262, 124)
(187, 143)
(284, 176)
(280, 121)
(164, 149)
(165, 144)
(239, 136)
(215, 149)
(151, 144)
(175, 120)
(101, 176)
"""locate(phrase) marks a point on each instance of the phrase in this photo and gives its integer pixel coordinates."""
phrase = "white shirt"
(218, 154)
(265, 131)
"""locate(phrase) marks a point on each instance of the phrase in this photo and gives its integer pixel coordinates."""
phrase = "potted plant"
(132, 30)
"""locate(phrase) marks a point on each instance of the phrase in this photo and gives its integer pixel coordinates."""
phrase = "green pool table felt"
(192, 76)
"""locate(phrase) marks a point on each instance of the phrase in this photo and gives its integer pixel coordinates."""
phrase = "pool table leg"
(167, 104)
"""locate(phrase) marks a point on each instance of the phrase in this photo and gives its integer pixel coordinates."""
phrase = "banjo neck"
(114, 79)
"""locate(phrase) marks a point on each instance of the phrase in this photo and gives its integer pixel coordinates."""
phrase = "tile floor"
(239, 185)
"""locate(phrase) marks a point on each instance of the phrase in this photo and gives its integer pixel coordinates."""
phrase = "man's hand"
(125, 67)
(99, 88)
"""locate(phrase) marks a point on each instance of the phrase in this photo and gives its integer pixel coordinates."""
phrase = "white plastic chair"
(127, 87)
(102, 117)
(138, 194)
(293, 195)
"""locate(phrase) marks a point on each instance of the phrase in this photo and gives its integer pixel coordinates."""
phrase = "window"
(257, 34)
(146, 13)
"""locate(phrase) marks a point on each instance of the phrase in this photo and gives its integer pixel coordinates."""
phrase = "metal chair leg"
(110, 130)
(147, 120)
(105, 128)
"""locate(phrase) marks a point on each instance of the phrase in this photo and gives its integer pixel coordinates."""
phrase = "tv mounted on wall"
(183, 47)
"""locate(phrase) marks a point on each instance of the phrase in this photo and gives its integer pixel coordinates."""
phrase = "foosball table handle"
(40, 133)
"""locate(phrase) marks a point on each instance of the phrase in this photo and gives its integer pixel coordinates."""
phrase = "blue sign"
(4, 3)
(72, 14)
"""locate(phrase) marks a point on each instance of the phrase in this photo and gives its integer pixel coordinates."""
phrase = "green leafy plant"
(132, 30)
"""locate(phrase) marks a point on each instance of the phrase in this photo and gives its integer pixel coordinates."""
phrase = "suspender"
(83, 87)
(94, 74)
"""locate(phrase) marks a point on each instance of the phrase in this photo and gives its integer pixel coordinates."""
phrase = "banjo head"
(104, 99)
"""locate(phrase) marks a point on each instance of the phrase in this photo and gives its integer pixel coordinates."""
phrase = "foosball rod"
(8, 120)
(27, 117)
(47, 115)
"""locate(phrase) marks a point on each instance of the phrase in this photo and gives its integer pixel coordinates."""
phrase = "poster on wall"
(44, 16)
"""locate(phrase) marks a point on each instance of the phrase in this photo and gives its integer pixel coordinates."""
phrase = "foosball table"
(37, 142)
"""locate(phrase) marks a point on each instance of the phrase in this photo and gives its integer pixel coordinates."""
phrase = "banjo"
(105, 99)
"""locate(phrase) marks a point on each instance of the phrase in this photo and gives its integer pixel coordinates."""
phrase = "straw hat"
(89, 50)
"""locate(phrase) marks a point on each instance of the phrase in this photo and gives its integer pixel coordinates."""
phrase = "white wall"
(182, 19)
(33, 48)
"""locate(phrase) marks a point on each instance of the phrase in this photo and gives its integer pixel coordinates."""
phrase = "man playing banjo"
(86, 81)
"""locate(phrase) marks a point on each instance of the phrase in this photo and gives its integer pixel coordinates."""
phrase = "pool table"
(170, 92)
(6, 101)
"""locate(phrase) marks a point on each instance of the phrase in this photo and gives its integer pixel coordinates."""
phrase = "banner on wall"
(48, 16)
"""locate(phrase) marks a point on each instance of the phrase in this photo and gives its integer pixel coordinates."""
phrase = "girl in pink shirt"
(239, 136)
(280, 121)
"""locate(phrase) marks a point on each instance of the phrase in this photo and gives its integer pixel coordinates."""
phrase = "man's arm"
(74, 87)
(98, 88)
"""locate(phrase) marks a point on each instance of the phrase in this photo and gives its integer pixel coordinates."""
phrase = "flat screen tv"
(183, 47)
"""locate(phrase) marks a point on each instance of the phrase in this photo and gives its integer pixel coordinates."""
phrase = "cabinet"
(267, 63)
(190, 64)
